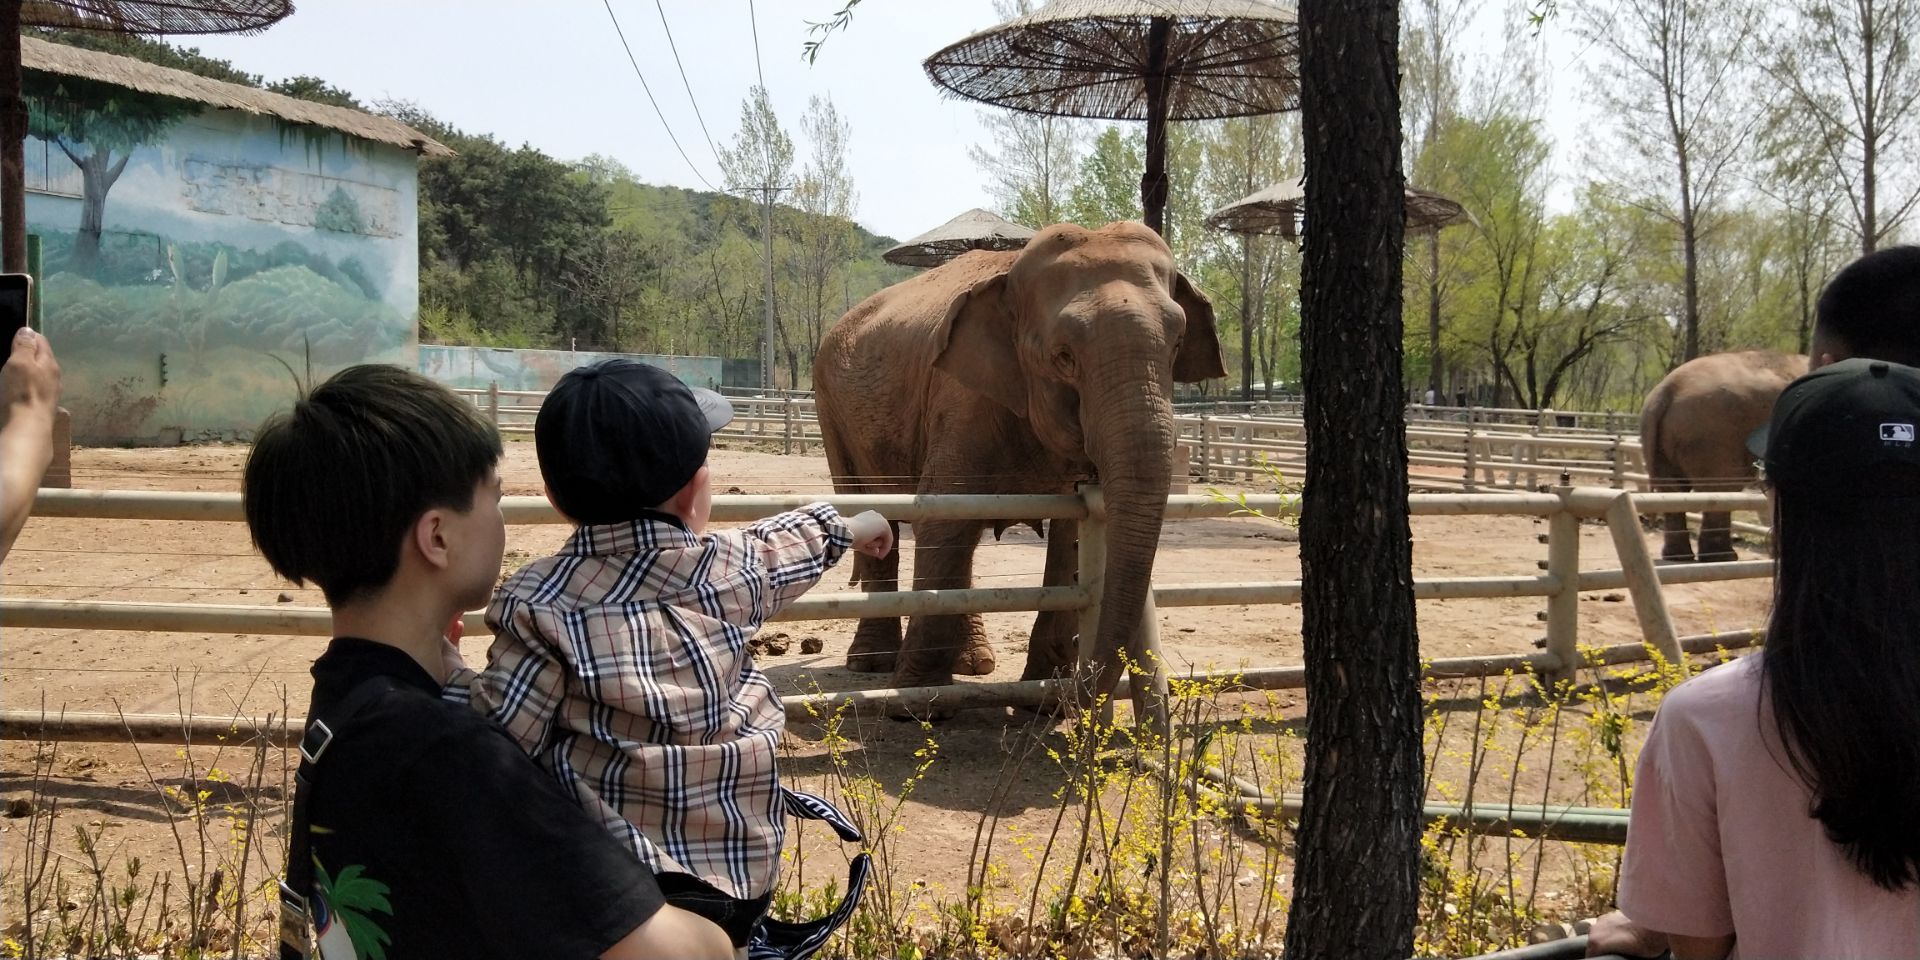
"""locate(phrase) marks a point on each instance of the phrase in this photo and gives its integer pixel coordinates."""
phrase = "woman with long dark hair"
(1776, 812)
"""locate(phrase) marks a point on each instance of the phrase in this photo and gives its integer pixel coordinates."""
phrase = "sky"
(554, 75)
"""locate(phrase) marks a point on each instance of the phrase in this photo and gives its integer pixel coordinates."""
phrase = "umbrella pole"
(13, 147)
(1153, 183)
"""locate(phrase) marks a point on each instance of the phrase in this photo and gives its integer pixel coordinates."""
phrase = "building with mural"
(208, 247)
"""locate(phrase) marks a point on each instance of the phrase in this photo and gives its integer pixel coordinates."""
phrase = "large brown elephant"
(1693, 432)
(1015, 372)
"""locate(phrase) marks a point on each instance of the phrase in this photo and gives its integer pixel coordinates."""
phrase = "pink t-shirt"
(1721, 841)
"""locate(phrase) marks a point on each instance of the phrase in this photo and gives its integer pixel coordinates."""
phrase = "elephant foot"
(1668, 560)
(976, 658)
(1719, 556)
(875, 648)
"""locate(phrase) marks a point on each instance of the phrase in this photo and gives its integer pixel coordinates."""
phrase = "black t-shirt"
(435, 836)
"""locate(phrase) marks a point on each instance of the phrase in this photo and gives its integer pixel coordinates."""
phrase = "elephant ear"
(977, 344)
(1199, 355)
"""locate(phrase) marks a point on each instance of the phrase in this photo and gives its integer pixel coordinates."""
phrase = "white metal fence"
(1560, 582)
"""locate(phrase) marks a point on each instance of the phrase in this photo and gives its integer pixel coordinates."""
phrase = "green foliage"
(103, 116)
(317, 90)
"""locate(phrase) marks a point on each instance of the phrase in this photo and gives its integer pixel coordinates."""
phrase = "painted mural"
(475, 367)
(198, 265)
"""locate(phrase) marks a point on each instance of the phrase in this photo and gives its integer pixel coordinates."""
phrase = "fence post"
(1563, 607)
(1643, 580)
(786, 425)
(1206, 449)
(1093, 579)
(493, 402)
(1472, 448)
(1616, 463)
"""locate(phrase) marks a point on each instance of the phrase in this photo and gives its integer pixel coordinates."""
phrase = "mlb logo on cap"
(1896, 432)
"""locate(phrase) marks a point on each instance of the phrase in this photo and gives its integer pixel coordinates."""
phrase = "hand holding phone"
(30, 381)
(16, 294)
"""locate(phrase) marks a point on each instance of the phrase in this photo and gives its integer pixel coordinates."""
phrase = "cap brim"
(717, 409)
(1757, 441)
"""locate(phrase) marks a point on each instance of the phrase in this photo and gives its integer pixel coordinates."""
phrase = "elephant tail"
(1662, 472)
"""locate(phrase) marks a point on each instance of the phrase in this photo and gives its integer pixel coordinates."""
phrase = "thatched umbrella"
(1152, 60)
(974, 230)
(1281, 208)
(119, 16)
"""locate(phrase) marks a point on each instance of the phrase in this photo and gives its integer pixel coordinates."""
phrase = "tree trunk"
(97, 177)
(1690, 249)
(13, 145)
(1246, 317)
(1356, 880)
(1433, 312)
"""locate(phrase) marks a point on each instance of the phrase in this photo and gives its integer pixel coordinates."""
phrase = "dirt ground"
(87, 670)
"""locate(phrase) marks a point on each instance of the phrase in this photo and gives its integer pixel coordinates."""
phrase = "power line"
(656, 104)
(753, 19)
(683, 81)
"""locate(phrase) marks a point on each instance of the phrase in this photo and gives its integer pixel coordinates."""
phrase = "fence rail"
(1489, 448)
(1560, 582)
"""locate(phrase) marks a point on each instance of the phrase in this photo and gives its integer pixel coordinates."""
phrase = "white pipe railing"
(1561, 582)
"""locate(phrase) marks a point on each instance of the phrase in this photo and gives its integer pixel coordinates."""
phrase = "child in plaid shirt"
(621, 664)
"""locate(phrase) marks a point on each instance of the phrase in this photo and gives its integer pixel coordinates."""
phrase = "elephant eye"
(1063, 361)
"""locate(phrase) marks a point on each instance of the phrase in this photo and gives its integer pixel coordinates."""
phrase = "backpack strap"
(787, 940)
(296, 915)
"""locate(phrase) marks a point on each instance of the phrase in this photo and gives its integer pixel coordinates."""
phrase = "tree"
(89, 122)
(1850, 84)
(317, 90)
(1108, 186)
(1030, 169)
(1498, 168)
(1676, 84)
(760, 161)
(1356, 883)
(1240, 157)
(824, 240)
(1431, 72)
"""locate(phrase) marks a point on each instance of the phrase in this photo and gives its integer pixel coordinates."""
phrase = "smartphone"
(15, 289)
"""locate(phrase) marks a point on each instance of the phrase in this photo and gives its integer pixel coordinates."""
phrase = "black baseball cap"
(1836, 430)
(618, 437)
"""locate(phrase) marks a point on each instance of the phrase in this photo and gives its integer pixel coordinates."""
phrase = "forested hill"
(519, 248)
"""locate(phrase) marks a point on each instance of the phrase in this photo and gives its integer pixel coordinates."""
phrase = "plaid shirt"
(621, 666)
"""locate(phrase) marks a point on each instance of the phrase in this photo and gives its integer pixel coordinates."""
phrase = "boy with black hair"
(1871, 308)
(621, 662)
(421, 830)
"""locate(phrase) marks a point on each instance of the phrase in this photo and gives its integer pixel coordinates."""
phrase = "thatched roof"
(1281, 208)
(156, 16)
(62, 60)
(974, 230)
(1089, 58)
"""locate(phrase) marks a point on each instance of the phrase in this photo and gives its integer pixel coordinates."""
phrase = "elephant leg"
(1678, 547)
(1716, 537)
(876, 642)
(1051, 647)
(935, 646)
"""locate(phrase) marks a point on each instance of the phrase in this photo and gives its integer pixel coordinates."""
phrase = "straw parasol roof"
(1152, 60)
(974, 230)
(156, 16)
(62, 60)
(1281, 208)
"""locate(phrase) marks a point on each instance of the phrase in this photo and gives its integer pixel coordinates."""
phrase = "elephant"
(1693, 431)
(1007, 372)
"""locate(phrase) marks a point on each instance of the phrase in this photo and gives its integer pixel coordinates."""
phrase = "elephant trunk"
(1130, 439)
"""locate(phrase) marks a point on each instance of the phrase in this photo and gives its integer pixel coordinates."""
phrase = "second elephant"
(1693, 431)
